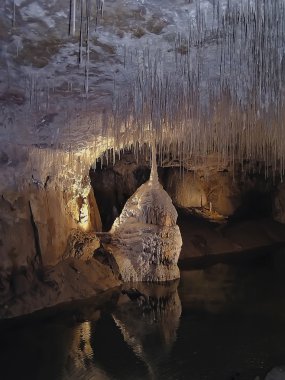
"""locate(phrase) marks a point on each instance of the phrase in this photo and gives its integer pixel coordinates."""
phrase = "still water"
(226, 321)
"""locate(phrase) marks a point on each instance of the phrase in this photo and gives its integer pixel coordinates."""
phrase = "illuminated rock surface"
(146, 241)
(197, 72)
(206, 78)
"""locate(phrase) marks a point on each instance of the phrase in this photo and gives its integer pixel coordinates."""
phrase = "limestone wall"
(36, 223)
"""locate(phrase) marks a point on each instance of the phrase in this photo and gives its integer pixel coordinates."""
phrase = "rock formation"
(46, 248)
(75, 84)
(146, 241)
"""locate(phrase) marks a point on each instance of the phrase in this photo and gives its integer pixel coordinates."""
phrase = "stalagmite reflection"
(148, 317)
(144, 323)
(79, 362)
(81, 339)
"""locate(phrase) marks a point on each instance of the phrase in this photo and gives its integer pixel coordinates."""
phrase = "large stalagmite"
(146, 241)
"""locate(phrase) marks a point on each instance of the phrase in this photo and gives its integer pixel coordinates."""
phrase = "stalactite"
(232, 108)
(88, 9)
(14, 14)
(73, 16)
(181, 105)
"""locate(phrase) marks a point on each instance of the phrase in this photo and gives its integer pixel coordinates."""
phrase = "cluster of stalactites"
(83, 12)
(219, 91)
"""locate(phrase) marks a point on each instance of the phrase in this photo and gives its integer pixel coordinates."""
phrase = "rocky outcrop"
(35, 287)
(46, 245)
(213, 190)
(82, 245)
(223, 193)
(146, 241)
(37, 222)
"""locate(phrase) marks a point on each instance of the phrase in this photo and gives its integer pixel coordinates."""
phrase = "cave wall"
(239, 194)
(45, 195)
(37, 222)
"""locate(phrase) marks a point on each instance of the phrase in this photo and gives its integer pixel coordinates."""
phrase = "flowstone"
(145, 239)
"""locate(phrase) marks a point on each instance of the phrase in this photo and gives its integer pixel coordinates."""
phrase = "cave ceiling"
(72, 69)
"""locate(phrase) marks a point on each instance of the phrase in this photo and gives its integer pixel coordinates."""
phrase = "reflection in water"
(210, 289)
(149, 323)
(255, 288)
(146, 319)
(79, 362)
(81, 351)
(231, 327)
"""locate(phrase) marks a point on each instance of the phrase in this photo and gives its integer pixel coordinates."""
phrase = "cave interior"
(96, 97)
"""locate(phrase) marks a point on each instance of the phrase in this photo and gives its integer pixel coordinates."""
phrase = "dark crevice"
(114, 184)
(38, 257)
(255, 204)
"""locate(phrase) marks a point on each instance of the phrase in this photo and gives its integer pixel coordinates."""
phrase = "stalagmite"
(146, 241)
